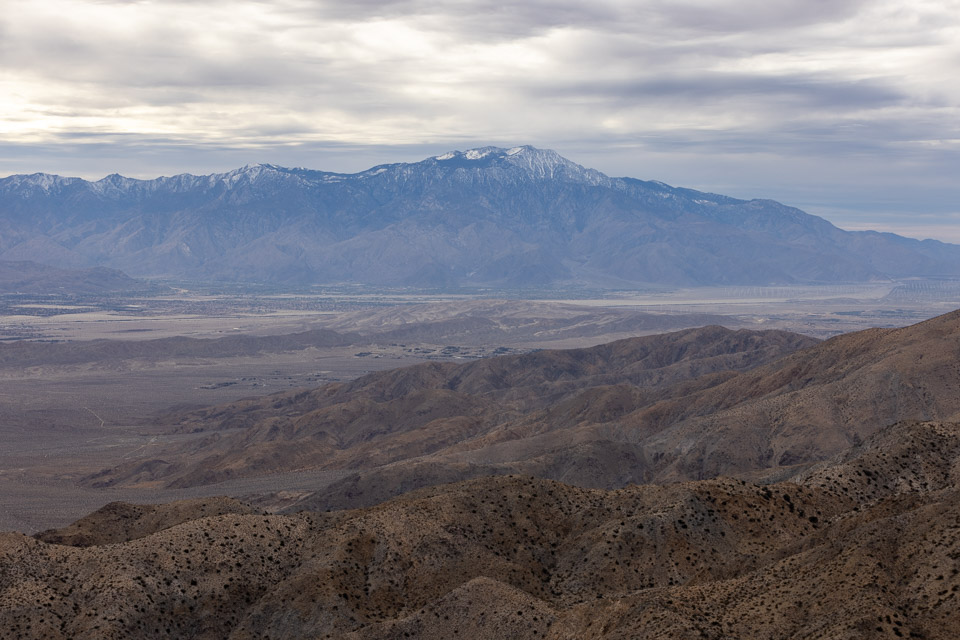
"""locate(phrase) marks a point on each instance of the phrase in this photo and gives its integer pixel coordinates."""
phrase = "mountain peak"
(39, 182)
(499, 153)
(252, 170)
(540, 164)
(248, 174)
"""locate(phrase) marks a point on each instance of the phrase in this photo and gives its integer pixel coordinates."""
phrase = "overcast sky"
(847, 109)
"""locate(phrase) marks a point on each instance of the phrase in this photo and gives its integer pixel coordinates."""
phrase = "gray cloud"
(804, 90)
(751, 15)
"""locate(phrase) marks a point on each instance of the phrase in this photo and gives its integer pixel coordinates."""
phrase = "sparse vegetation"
(522, 557)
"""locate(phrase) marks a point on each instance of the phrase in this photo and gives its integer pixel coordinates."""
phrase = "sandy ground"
(60, 423)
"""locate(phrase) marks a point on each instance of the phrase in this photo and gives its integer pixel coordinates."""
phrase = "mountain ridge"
(483, 217)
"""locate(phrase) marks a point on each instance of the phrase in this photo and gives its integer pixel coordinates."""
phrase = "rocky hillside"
(864, 546)
(533, 413)
(486, 217)
(681, 406)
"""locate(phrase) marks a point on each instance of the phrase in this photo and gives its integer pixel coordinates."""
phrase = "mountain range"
(485, 217)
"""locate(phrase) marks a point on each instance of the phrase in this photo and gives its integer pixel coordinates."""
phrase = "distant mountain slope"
(485, 217)
(824, 556)
(28, 277)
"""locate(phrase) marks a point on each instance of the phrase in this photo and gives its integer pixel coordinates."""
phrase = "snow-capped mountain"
(488, 216)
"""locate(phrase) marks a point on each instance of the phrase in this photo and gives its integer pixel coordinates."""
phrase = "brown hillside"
(522, 557)
(803, 408)
(122, 522)
(686, 405)
(434, 408)
(812, 404)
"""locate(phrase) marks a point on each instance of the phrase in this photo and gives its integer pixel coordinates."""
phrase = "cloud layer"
(832, 105)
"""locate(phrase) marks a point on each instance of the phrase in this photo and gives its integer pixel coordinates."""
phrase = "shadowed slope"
(27, 277)
(122, 522)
